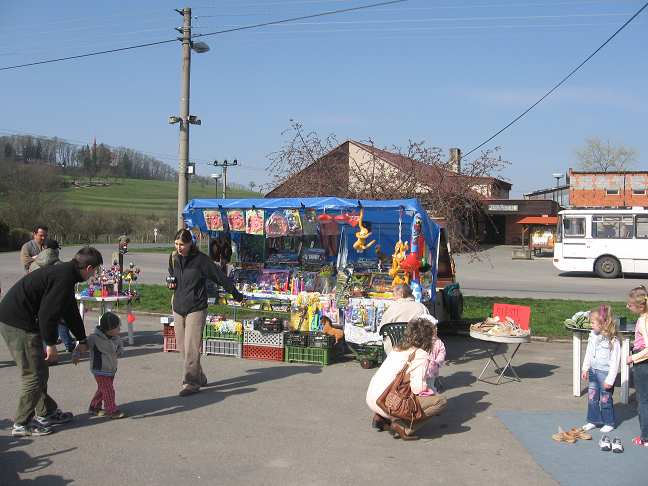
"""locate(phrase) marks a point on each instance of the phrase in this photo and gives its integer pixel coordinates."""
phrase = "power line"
(561, 82)
(236, 29)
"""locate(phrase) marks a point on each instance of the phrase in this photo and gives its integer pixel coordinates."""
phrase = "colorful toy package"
(254, 221)
(294, 222)
(213, 220)
(274, 280)
(276, 225)
(236, 219)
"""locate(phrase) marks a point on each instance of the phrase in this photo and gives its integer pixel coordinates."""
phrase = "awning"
(541, 220)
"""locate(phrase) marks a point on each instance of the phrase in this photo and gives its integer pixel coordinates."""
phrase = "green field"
(141, 196)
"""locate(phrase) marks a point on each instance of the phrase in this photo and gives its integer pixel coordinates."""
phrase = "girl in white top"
(600, 368)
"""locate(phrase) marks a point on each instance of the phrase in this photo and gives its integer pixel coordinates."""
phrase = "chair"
(395, 331)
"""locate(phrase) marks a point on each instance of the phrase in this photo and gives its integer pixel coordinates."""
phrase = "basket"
(319, 356)
(168, 331)
(297, 339)
(210, 332)
(258, 338)
(250, 351)
(272, 325)
(169, 344)
(320, 340)
(222, 347)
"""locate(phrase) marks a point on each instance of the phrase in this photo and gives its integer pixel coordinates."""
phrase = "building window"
(612, 192)
(642, 227)
(639, 192)
(574, 227)
(609, 227)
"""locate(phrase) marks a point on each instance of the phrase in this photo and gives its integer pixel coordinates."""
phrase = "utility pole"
(185, 119)
(224, 165)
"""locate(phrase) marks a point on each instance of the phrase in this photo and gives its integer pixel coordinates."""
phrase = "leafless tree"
(603, 156)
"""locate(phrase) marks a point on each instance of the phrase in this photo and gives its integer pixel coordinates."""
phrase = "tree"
(309, 165)
(603, 156)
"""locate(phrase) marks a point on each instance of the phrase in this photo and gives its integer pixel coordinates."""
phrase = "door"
(574, 237)
(640, 250)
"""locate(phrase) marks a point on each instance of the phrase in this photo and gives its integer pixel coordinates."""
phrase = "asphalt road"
(494, 274)
(266, 423)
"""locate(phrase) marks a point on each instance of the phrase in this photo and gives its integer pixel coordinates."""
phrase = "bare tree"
(603, 156)
(308, 165)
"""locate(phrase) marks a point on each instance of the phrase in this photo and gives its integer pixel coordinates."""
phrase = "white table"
(500, 341)
(107, 304)
(578, 336)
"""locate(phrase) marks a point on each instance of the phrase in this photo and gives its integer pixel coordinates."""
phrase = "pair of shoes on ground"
(571, 436)
(606, 429)
(638, 441)
(100, 412)
(41, 425)
(397, 430)
(614, 445)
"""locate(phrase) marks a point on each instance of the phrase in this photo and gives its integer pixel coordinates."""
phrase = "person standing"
(189, 270)
(33, 247)
(29, 315)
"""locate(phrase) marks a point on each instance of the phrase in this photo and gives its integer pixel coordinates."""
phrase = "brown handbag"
(398, 400)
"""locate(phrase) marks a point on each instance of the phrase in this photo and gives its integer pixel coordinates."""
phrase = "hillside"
(141, 196)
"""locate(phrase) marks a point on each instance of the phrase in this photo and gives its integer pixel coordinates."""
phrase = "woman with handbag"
(394, 393)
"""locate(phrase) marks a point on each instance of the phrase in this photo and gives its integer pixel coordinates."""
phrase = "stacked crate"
(258, 344)
(309, 347)
(168, 334)
(221, 343)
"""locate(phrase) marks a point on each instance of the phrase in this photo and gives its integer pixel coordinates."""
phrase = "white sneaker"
(617, 447)
(605, 444)
(588, 426)
(606, 429)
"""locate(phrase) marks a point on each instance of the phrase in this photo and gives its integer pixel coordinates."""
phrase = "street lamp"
(216, 177)
(184, 119)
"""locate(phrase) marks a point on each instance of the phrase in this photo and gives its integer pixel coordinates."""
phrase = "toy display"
(236, 220)
(361, 242)
(254, 221)
(213, 220)
(493, 326)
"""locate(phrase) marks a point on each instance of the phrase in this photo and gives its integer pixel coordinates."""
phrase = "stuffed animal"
(399, 255)
(361, 242)
(338, 334)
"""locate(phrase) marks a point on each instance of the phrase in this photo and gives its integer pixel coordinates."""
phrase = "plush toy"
(399, 255)
(338, 334)
(361, 243)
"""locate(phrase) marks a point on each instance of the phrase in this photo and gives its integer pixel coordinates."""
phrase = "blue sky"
(447, 72)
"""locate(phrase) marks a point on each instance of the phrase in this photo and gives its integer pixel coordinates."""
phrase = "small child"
(600, 368)
(104, 346)
(638, 304)
(436, 359)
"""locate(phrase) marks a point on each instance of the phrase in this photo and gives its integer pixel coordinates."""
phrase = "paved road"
(496, 274)
(268, 423)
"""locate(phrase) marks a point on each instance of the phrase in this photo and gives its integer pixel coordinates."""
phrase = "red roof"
(544, 220)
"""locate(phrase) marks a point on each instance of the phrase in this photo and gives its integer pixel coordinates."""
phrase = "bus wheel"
(607, 267)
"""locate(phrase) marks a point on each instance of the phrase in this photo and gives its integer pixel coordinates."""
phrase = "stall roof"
(542, 220)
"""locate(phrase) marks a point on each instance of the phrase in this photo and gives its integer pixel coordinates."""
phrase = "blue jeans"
(66, 337)
(640, 375)
(600, 406)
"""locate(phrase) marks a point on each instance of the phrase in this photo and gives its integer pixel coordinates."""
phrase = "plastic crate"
(169, 344)
(320, 340)
(258, 338)
(210, 332)
(320, 356)
(222, 347)
(296, 339)
(168, 331)
(268, 353)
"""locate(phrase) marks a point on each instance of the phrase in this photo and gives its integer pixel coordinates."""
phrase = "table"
(107, 305)
(500, 341)
(578, 335)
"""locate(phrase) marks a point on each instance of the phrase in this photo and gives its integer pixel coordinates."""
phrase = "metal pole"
(224, 182)
(183, 143)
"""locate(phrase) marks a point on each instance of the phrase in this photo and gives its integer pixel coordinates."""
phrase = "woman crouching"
(416, 347)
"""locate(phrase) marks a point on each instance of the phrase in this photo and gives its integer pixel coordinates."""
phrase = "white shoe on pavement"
(606, 429)
(588, 426)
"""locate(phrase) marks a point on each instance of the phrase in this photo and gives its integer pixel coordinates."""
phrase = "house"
(608, 189)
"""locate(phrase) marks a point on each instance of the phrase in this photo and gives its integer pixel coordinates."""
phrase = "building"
(502, 224)
(559, 194)
(608, 189)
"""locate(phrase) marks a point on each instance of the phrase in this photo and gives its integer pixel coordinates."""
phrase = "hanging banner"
(294, 222)
(236, 219)
(310, 222)
(276, 225)
(213, 220)
(254, 221)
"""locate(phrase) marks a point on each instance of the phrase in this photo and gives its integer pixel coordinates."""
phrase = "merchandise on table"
(106, 283)
(493, 326)
(217, 327)
(580, 320)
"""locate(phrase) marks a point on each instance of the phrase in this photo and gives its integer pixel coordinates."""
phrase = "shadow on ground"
(14, 462)
(460, 410)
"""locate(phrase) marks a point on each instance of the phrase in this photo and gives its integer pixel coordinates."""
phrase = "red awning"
(542, 220)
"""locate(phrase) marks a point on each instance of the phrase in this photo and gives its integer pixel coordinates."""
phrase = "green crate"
(294, 354)
(210, 332)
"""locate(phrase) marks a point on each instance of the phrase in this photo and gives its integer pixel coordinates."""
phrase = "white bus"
(608, 242)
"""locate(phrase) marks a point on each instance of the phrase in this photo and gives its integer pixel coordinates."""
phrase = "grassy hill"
(141, 196)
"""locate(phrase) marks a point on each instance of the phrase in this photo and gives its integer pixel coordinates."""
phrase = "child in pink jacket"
(436, 359)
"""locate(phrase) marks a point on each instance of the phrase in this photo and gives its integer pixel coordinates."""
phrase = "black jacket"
(39, 300)
(191, 273)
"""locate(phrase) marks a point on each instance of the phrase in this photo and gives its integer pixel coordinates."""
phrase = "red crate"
(250, 351)
(169, 344)
(168, 331)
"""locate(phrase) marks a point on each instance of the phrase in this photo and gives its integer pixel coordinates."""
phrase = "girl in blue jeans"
(600, 368)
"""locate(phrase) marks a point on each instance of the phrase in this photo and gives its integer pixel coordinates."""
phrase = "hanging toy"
(412, 263)
(361, 243)
(399, 255)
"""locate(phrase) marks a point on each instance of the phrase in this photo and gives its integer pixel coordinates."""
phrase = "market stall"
(540, 232)
(330, 262)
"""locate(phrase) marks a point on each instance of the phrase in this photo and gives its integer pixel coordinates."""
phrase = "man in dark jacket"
(29, 315)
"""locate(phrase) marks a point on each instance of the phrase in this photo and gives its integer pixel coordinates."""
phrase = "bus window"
(612, 226)
(642, 227)
(574, 227)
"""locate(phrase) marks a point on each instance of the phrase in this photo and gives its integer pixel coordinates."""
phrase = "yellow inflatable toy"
(361, 242)
(399, 255)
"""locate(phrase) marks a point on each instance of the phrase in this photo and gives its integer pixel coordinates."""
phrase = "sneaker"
(54, 418)
(117, 414)
(606, 429)
(605, 444)
(638, 441)
(617, 446)
(30, 430)
(185, 392)
(97, 412)
(588, 426)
